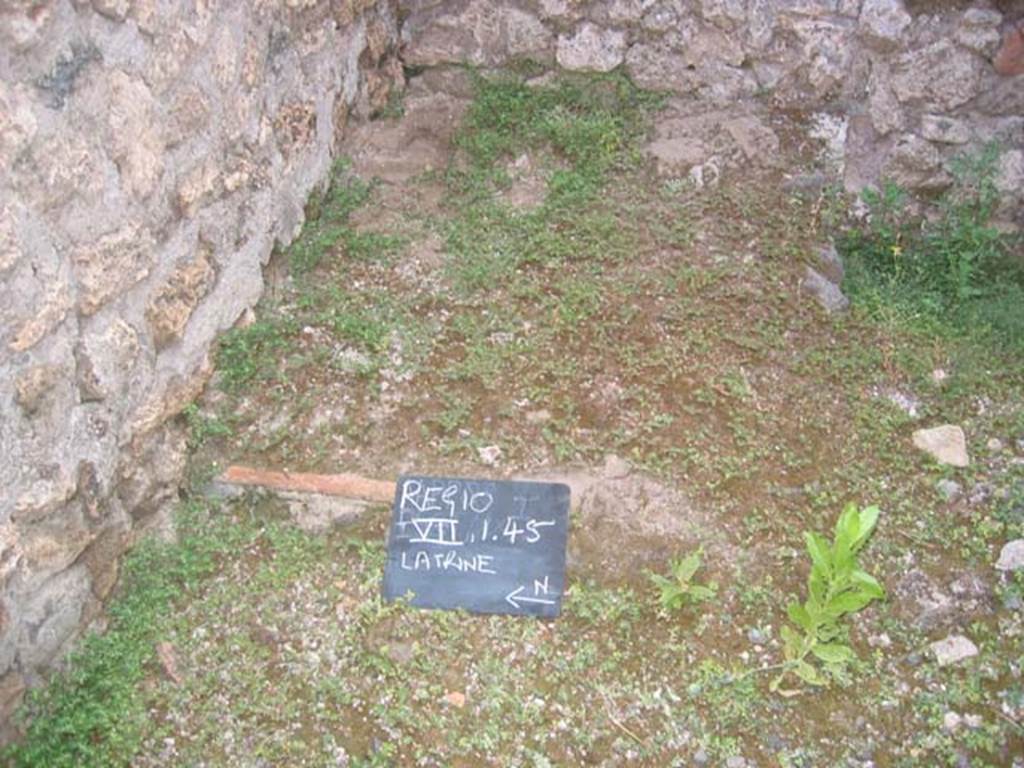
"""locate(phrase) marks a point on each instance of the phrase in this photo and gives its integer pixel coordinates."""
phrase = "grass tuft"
(93, 714)
(954, 275)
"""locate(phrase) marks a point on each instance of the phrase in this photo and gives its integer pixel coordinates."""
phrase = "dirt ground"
(533, 286)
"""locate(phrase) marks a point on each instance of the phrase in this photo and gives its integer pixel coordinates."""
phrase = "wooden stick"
(345, 484)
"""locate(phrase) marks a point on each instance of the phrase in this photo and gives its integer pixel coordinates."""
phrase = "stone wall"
(152, 153)
(893, 89)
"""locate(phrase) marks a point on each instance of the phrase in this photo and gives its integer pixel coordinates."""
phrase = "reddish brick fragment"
(347, 485)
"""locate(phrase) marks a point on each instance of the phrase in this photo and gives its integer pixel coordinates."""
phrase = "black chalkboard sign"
(483, 545)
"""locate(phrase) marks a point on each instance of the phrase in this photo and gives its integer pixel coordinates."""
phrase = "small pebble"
(951, 721)
(736, 761)
(700, 757)
(953, 649)
(880, 641)
(948, 489)
(490, 454)
(995, 445)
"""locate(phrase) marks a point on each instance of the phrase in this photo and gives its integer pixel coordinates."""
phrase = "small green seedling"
(675, 592)
(836, 587)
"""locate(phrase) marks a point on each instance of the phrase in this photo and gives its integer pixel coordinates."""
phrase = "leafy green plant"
(203, 427)
(327, 224)
(680, 589)
(953, 270)
(94, 712)
(249, 353)
(836, 587)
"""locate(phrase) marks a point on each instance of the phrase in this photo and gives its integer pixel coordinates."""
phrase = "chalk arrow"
(514, 598)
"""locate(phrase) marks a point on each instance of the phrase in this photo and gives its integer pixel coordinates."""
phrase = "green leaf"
(800, 616)
(700, 592)
(817, 585)
(791, 643)
(842, 550)
(818, 549)
(833, 653)
(868, 583)
(848, 602)
(661, 582)
(685, 568)
(807, 673)
(867, 519)
(847, 523)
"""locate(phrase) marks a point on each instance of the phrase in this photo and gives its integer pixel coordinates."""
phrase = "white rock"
(1010, 174)
(592, 49)
(827, 293)
(939, 376)
(951, 721)
(994, 444)
(615, 467)
(945, 130)
(490, 455)
(979, 30)
(832, 131)
(953, 649)
(1011, 558)
(880, 641)
(884, 108)
(538, 417)
(948, 489)
(945, 444)
(883, 22)
(940, 76)
(905, 401)
(915, 164)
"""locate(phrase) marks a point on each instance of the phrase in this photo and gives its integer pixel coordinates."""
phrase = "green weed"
(579, 130)
(250, 353)
(202, 427)
(94, 714)
(954, 273)
(681, 590)
(327, 224)
(836, 587)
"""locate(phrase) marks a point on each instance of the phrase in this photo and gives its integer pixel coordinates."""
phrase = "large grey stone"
(824, 291)
(941, 76)
(915, 164)
(685, 138)
(883, 107)
(830, 263)
(953, 649)
(946, 444)
(592, 49)
(1011, 557)
(51, 616)
(945, 130)
(1009, 180)
(726, 13)
(979, 30)
(474, 32)
(883, 22)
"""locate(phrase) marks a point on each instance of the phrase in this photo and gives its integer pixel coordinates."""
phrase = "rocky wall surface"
(889, 88)
(151, 154)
